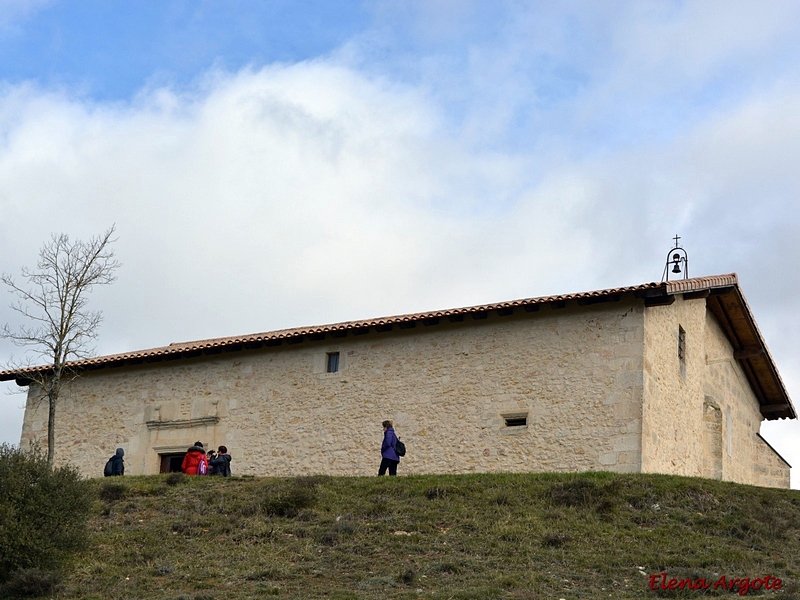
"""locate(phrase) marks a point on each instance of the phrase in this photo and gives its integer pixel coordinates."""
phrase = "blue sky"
(109, 50)
(430, 154)
(535, 60)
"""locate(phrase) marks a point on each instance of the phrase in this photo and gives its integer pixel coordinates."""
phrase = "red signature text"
(742, 585)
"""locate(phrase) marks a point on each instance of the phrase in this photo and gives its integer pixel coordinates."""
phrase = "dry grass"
(438, 537)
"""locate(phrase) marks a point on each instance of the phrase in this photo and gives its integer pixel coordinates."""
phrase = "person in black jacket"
(221, 463)
(211, 455)
(115, 466)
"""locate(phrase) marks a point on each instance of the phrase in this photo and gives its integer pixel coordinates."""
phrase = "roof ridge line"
(194, 345)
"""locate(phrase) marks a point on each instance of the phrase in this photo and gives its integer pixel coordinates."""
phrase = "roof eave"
(723, 296)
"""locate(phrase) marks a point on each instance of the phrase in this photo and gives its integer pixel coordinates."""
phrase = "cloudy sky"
(283, 163)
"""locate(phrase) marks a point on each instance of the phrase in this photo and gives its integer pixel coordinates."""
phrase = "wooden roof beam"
(696, 295)
(659, 300)
(772, 408)
(748, 352)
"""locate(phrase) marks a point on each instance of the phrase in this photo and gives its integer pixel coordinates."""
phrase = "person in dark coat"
(117, 464)
(194, 456)
(221, 463)
(389, 458)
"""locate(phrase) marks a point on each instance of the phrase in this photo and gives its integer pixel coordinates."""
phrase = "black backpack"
(108, 471)
(400, 448)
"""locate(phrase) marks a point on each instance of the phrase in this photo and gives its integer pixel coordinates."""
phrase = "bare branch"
(55, 300)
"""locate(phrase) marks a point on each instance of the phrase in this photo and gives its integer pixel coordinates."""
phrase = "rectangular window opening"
(516, 420)
(171, 463)
(333, 362)
(682, 350)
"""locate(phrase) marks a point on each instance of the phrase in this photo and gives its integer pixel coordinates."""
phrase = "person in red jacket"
(194, 457)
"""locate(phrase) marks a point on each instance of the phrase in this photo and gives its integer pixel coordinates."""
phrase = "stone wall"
(746, 457)
(672, 428)
(576, 372)
(700, 415)
(602, 387)
(770, 469)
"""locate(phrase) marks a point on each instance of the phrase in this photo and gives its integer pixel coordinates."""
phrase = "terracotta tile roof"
(649, 291)
(701, 283)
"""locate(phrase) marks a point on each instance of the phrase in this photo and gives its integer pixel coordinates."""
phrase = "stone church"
(670, 377)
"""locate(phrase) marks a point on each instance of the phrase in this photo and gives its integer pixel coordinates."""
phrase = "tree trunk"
(52, 399)
(51, 427)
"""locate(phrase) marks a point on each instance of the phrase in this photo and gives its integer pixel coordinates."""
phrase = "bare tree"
(54, 301)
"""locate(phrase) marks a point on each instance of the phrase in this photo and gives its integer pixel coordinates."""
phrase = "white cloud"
(693, 38)
(266, 199)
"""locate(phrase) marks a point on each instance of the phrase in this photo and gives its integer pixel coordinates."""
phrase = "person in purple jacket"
(389, 458)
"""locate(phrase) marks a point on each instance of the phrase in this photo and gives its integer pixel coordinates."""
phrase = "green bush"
(290, 498)
(111, 491)
(44, 512)
(576, 492)
(583, 492)
(30, 583)
(174, 479)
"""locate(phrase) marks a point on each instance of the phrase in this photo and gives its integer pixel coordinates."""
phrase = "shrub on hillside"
(175, 479)
(30, 583)
(584, 492)
(576, 492)
(44, 512)
(111, 491)
(289, 498)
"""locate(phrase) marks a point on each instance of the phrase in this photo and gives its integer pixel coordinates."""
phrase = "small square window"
(333, 362)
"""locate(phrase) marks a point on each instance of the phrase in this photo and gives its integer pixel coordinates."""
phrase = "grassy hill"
(482, 536)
